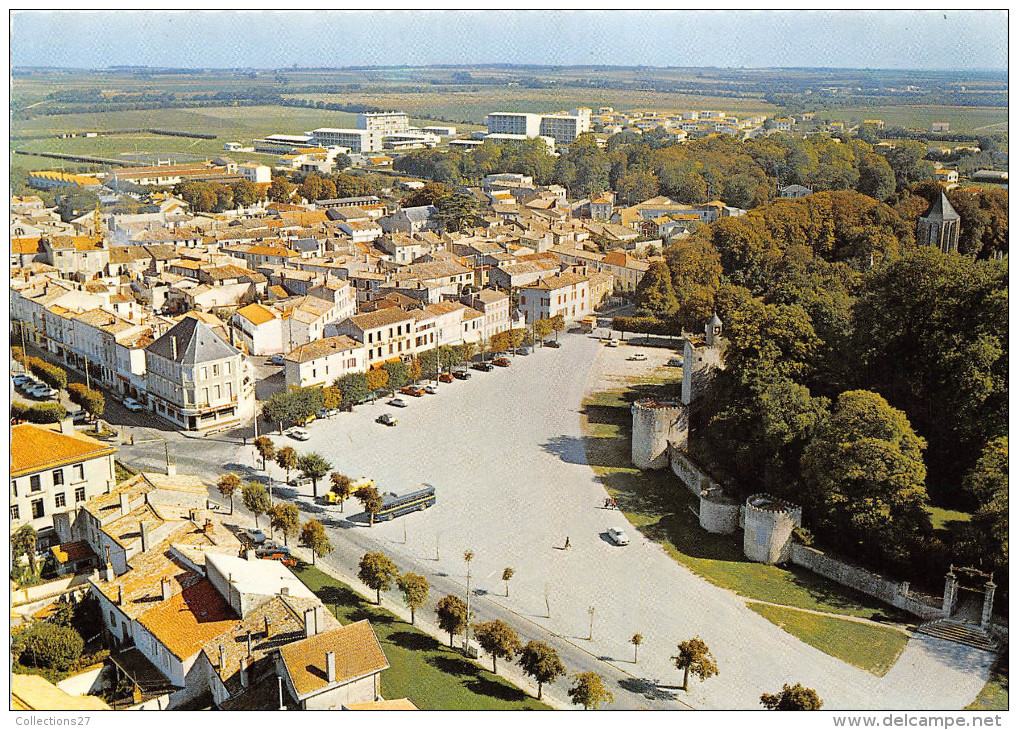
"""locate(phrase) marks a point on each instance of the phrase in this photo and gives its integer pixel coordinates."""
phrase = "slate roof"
(196, 343)
(942, 210)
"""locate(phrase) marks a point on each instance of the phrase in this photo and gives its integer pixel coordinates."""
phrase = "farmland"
(985, 119)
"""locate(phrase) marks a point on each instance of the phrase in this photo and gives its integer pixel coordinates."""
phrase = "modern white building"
(563, 127)
(358, 140)
(322, 361)
(517, 123)
(387, 123)
(254, 172)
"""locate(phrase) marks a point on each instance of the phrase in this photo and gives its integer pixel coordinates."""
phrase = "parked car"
(430, 389)
(254, 537)
(675, 362)
(287, 560)
(268, 547)
(613, 342)
(78, 416)
(461, 375)
(502, 362)
(132, 405)
(638, 356)
(386, 419)
(484, 367)
(20, 379)
(42, 392)
(327, 413)
(398, 402)
(552, 343)
(414, 390)
(446, 378)
(523, 350)
(277, 360)
(27, 383)
(299, 481)
(299, 433)
(619, 537)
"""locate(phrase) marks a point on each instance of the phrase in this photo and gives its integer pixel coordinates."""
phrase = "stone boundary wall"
(695, 479)
(888, 591)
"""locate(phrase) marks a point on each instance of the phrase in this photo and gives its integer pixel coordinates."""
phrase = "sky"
(938, 39)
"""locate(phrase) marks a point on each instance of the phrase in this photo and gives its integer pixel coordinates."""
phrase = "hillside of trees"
(866, 377)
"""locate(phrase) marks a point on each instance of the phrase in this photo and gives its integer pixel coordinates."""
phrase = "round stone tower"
(654, 423)
(769, 522)
(719, 513)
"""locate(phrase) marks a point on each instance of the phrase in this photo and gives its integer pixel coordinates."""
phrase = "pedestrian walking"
(567, 543)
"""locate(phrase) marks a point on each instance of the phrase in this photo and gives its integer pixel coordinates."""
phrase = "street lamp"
(468, 555)
(590, 634)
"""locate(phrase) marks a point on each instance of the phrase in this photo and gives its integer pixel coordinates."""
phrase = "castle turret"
(769, 523)
(700, 358)
(654, 424)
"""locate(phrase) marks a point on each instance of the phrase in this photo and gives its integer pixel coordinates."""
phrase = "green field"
(473, 105)
(986, 119)
(873, 648)
(427, 671)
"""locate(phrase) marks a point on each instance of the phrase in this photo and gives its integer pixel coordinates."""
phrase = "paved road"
(505, 453)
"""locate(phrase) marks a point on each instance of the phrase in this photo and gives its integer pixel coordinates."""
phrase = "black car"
(485, 367)
(461, 374)
(552, 343)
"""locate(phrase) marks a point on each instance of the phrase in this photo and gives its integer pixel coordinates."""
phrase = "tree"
(256, 499)
(266, 449)
(399, 374)
(542, 663)
(499, 640)
(227, 485)
(313, 536)
(456, 211)
(279, 408)
(452, 616)
(636, 641)
(415, 592)
(313, 466)
(414, 370)
(655, 296)
(286, 459)
(695, 658)
(864, 478)
(342, 486)
(354, 387)
(23, 545)
(245, 193)
(558, 324)
(55, 377)
(589, 690)
(542, 329)
(796, 697)
(507, 575)
(427, 195)
(876, 178)
(48, 646)
(285, 518)
(377, 571)
(281, 189)
(333, 397)
(377, 379)
(371, 500)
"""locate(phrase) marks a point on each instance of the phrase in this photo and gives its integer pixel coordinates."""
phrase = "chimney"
(207, 527)
(124, 504)
(310, 626)
(166, 588)
(319, 620)
(244, 668)
(268, 627)
(145, 539)
(67, 427)
(249, 642)
(171, 470)
(284, 591)
(250, 555)
(120, 596)
(222, 657)
(173, 346)
(330, 666)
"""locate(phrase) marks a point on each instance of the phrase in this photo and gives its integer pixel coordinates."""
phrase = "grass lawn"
(947, 519)
(994, 695)
(664, 510)
(422, 668)
(868, 647)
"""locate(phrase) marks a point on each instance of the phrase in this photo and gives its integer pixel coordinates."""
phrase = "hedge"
(38, 412)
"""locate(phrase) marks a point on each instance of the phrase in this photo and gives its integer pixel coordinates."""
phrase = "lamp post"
(590, 634)
(468, 555)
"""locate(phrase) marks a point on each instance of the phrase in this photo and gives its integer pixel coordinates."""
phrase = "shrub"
(47, 646)
(52, 375)
(76, 392)
(45, 413)
(19, 411)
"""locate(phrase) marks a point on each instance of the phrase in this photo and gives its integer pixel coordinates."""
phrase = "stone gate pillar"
(988, 592)
(950, 592)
